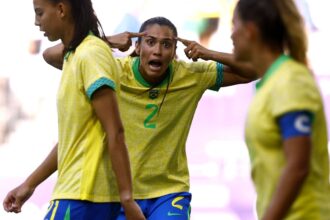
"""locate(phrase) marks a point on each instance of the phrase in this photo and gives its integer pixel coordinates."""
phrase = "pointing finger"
(135, 34)
(184, 41)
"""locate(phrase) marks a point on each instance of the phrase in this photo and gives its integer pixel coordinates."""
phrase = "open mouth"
(155, 64)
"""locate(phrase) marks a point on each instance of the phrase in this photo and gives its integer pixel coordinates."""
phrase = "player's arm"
(296, 132)
(234, 72)
(54, 56)
(105, 105)
(123, 41)
(16, 198)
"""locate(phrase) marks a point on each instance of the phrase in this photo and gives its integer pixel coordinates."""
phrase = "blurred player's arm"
(297, 153)
(234, 72)
(16, 198)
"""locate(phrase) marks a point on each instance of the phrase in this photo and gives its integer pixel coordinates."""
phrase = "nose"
(157, 49)
(36, 22)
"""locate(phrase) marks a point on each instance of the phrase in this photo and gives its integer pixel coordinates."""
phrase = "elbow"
(46, 56)
(120, 134)
(51, 59)
(303, 173)
(117, 138)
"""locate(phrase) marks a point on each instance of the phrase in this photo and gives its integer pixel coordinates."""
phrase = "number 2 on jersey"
(147, 123)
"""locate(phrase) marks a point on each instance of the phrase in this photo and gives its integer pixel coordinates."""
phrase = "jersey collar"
(140, 79)
(272, 69)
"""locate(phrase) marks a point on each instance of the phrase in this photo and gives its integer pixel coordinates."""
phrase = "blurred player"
(286, 127)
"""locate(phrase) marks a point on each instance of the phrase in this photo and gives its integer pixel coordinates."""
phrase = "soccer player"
(286, 126)
(91, 156)
(158, 96)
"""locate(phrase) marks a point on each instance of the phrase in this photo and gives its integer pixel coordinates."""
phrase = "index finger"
(137, 34)
(184, 41)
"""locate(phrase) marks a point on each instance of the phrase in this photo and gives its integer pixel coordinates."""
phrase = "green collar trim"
(140, 79)
(67, 54)
(272, 69)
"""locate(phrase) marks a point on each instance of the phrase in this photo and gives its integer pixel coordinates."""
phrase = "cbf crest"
(154, 93)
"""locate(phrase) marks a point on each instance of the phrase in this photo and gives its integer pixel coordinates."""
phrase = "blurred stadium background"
(218, 158)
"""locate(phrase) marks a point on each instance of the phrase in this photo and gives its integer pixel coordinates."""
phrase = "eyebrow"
(170, 39)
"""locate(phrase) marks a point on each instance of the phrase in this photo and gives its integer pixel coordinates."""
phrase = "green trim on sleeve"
(98, 84)
(219, 79)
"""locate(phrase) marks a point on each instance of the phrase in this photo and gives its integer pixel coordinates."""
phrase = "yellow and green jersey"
(287, 87)
(84, 170)
(156, 133)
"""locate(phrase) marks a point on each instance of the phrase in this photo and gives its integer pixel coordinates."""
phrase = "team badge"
(153, 93)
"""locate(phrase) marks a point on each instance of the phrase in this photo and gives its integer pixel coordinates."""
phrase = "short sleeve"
(295, 91)
(209, 74)
(98, 67)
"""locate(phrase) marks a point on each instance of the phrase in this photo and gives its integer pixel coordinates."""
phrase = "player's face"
(47, 17)
(240, 40)
(156, 50)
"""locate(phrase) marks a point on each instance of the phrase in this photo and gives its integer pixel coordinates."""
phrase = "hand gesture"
(194, 50)
(123, 41)
(16, 198)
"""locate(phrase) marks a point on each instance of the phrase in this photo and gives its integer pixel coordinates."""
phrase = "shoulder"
(93, 45)
(294, 88)
(93, 41)
(94, 49)
(294, 73)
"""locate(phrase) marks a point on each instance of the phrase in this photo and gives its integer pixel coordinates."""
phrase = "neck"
(262, 59)
(68, 35)
(152, 80)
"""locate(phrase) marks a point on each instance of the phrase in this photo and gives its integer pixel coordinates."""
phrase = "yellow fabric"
(156, 136)
(84, 170)
(290, 88)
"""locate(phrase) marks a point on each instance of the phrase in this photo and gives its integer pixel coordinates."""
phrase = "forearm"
(241, 69)
(224, 58)
(121, 166)
(287, 191)
(45, 169)
(123, 40)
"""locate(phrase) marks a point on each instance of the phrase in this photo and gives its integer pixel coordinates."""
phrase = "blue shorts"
(64, 209)
(175, 206)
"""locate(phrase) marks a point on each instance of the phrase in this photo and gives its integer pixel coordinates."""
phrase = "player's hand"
(132, 211)
(123, 41)
(194, 50)
(16, 198)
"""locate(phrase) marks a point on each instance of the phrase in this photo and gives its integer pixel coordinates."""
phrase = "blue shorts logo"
(173, 214)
